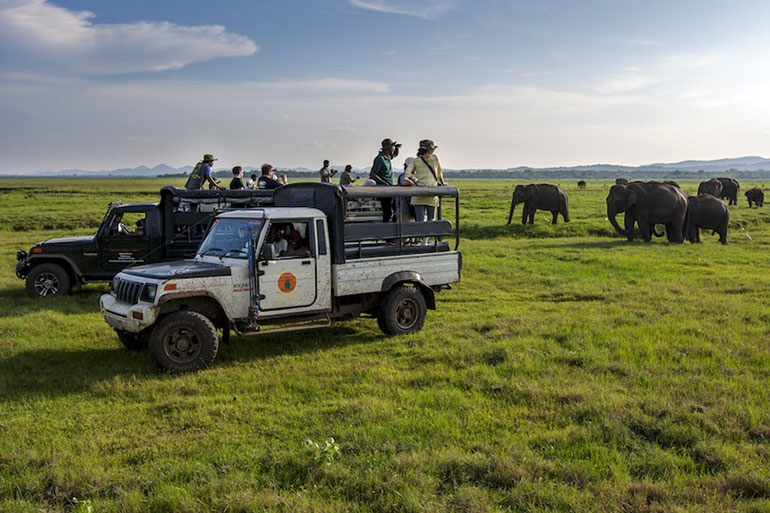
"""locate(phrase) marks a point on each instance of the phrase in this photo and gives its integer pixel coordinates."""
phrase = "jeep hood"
(66, 243)
(179, 269)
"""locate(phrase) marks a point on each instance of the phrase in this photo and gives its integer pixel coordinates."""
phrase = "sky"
(106, 84)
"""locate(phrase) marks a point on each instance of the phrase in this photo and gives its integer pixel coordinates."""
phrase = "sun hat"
(427, 144)
(389, 143)
(208, 158)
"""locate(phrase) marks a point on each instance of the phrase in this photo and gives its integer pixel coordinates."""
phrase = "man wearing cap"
(202, 173)
(347, 178)
(382, 173)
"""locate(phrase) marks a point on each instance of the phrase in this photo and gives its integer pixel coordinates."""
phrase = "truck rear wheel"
(402, 311)
(48, 280)
(184, 341)
(132, 341)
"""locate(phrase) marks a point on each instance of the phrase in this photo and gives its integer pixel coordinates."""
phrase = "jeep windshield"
(230, 238)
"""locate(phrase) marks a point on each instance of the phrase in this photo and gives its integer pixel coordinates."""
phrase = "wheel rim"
(182, 345)
(406, 313)
(46, 284)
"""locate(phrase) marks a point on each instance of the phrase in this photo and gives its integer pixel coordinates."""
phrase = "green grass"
(568, 371)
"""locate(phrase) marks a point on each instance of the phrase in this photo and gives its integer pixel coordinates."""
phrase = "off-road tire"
(184, 341)
(402, 311)
(133, 341)
(48, 280)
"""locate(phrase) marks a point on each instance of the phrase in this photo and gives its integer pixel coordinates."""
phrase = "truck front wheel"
(402, 311)
(48, 280)
(184, 341)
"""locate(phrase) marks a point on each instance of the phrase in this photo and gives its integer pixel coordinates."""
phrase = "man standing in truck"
(326, 173)
(382, 173)
(202, 173)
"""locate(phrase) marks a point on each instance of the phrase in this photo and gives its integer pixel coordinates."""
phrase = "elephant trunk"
(510, 215)
(611, 216)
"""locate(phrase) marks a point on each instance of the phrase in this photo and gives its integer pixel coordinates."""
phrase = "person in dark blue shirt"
(267, 180)
(237, 182)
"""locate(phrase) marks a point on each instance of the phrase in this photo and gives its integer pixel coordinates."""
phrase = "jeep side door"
(288, 279)
(125, 238)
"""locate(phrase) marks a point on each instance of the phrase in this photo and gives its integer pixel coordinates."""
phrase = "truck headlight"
(148, 293)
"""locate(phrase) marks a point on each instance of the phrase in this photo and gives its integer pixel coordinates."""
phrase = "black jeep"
(140, 233)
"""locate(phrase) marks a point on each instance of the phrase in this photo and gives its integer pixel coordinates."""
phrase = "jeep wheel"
(184, 341)
(133, 341)
(48, 280)
(402, 311)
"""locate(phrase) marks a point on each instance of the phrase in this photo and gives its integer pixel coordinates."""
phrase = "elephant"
(730, 188)
(539, 197)
(581, 185)
(713, 187)
(755, 195)
(648, 204)
(706, 211)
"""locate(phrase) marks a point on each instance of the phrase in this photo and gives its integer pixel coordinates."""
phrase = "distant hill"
(727, 166)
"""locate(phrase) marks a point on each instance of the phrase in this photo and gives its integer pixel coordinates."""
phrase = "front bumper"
(22, 265)
(125, 317)
(22, 269)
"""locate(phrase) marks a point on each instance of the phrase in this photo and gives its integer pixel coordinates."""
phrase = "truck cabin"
(140, 220)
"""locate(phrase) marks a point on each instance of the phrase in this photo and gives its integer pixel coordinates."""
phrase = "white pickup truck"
(301, 262)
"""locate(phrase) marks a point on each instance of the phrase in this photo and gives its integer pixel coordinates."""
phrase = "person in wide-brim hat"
(426, 171)
(208, 174)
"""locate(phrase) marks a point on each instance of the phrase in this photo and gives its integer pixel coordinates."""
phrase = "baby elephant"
(755, 195)
(706, 212)
(539, 197)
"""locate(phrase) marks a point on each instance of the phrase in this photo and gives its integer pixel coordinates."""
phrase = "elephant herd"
(647, 204)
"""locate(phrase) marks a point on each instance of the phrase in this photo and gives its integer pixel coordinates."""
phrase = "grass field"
(570, 370)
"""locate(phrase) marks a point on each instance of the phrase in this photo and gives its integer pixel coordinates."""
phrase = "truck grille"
(128, 291)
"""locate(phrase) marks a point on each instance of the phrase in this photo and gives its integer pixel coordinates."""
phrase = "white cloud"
(88, 124)
(630, 80)
(321, 85)
(425, 9)
(694, 60)
(38, 35)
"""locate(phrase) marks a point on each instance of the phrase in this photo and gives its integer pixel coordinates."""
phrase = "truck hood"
(179, 269)
(66, 243)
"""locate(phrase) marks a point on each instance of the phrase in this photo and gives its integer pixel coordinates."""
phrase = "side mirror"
(268, 252)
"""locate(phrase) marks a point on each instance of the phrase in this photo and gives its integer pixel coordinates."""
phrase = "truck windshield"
(230, 238)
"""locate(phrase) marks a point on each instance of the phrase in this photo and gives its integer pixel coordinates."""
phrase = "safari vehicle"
(133, 234)
(300, 263)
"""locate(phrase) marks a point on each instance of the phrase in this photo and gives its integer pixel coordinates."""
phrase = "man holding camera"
(382, 173)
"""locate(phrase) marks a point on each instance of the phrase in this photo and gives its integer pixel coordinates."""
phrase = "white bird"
(749, 237)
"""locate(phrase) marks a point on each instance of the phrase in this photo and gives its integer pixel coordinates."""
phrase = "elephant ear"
(529, 192)
(631, 198)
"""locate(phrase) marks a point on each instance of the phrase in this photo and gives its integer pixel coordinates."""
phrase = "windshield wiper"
(211, 249)
(232, 250)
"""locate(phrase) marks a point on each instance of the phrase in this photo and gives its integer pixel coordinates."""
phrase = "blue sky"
(496, 83)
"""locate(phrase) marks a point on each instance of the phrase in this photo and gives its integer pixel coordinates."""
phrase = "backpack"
(195, 180)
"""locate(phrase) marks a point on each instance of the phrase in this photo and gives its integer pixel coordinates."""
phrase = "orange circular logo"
(287, 282)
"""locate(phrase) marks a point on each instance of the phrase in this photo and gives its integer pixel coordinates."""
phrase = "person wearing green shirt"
(347, 178)
(382, 173)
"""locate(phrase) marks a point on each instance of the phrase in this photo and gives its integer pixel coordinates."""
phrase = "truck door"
(125, 239)
(288, 281)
